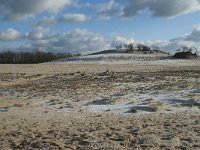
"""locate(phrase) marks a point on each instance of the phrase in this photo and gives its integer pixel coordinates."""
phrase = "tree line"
(138, 47)
(184, 50)
(11, 57)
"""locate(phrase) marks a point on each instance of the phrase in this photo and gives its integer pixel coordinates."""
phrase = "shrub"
(185, 55)
(186, 52)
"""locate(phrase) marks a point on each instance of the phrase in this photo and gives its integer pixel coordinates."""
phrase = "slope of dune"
(101, 102)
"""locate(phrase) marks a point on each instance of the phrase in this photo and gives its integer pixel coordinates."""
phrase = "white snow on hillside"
(146, 59)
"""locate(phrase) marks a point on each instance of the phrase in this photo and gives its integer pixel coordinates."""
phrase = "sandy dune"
(101, 105)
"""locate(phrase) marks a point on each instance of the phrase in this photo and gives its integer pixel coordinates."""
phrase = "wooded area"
(10, 57)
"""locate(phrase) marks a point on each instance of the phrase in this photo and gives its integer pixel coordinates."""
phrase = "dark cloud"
(161, 8)
(23, 9)
(76, 17)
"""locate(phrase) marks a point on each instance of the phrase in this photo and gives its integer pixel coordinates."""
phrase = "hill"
(117, 51)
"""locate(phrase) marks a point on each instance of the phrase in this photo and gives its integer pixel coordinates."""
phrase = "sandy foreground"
(100, 106)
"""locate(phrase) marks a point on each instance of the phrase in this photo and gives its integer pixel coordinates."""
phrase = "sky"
(85, 26)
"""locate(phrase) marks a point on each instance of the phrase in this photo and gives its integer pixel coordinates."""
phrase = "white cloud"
(80, 40)
(194, 35)
(47, 21)
(66, 18)
(85, 41)
(77, 40)
(161, 8)
(119, 39)
(23, 9)
(74, 18)
(10, 35)
(191, 40)
(104, 7)
(107, 9)
(38, 33)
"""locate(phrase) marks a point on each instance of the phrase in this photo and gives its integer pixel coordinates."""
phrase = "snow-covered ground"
(111, 58)
(151, 59)
(109, 92)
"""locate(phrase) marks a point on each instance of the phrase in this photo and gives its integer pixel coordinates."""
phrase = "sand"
(100, 106)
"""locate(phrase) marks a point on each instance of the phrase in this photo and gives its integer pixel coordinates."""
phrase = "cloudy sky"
(92, 25)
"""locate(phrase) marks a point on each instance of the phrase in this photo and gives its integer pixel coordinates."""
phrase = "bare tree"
(119, 47)
(142, 47)
(130, 47)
